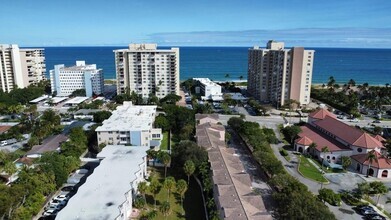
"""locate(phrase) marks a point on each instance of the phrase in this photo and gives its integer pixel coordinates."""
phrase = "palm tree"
(241, 77)
(346, 162)
(325, 150)
(227, 75)
(312, 146)
(169, 185)
(378, 188)
(189, 169)
(181, 188)
(166, 159)
(165, 209)
(371, 157)
(142, 188)
(154, 188)
(352, 82)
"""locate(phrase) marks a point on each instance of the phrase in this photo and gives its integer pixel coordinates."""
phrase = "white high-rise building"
(20, 67)
(65, 80)
(147, 70)
(276, 74)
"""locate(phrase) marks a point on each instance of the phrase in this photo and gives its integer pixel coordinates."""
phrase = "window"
(359, 150)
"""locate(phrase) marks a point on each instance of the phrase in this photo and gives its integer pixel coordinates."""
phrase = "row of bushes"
(292, 198)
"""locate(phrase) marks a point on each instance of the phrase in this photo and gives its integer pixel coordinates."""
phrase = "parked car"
(57, 202)
(368, 211)
(375, 217)
(52, 206)
(50, 212)
(68, 188)
(376, 121)
(62, 198)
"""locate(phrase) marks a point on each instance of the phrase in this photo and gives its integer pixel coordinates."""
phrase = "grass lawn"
(309, 171)
(324, 168)
(164, 144)
(193, 207)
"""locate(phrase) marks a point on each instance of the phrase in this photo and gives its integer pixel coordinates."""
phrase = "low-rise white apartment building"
(65, 80)
(147, 70)
(131, 125)
(109, 191)
(209, 89)
(20, 67)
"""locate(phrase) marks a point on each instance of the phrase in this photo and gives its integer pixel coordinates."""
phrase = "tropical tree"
(189, 169)
(378, 188)
(169, 185)
(352, 82)
(325, 150)
(139, 203)
(142, 188)
(181, 188)
(291, 132)
(363, 189)
(241, 77)
(154, 188)
(9, 168)
(165, 158)
(152, 154)
(346, 162)
(371, 157)
(227, 75)
(312, 146)
(165, 209)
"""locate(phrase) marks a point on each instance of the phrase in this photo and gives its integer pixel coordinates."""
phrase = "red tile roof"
(379, 138)
(321, 114)
(321, 139)
(4, 128)
(382, 162)
(347, 133)
(304, 141)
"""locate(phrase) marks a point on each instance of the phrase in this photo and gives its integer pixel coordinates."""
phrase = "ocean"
(372, 66)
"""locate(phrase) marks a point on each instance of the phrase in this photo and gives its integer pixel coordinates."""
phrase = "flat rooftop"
(44, 97)
(130, 117)
(104, 190)
(56, 100)
(206, 82)
(76, 100)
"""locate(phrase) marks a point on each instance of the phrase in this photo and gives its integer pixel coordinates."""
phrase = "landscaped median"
(309, 171)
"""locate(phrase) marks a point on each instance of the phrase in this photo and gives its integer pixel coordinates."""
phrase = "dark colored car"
(376, 121)
(374, 217)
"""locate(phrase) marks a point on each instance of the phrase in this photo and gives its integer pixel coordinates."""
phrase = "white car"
(50, 212)
(57, 202)
(62, 198)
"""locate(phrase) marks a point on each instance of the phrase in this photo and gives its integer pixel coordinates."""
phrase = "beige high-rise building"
(276, 74)
(147, 70)
(20, 67)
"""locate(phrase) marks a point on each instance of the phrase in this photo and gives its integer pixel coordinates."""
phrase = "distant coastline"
(372, 66)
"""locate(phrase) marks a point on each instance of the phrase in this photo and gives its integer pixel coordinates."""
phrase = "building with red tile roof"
(324, 129)
(380, 168)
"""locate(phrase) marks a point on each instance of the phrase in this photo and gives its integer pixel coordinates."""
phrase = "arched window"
(384, 173)
(371, 172)
(358, 167)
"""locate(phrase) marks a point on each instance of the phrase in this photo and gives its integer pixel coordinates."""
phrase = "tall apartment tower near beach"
(147, 70)
(65, 80)
(276, 75)
(20, 67)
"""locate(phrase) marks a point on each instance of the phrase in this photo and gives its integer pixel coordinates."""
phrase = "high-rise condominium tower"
(20, 67)
(147, 70)
(276, 75)
(65, 80)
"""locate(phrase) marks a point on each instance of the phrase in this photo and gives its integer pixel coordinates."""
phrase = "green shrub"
(283, 152)
(328, 195)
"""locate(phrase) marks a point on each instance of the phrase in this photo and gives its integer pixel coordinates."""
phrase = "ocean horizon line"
(199, 46)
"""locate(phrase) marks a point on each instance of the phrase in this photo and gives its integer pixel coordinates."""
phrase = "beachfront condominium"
(65, 80)
(147, 70)
(276, 74)
(131, 125)
(20, 67)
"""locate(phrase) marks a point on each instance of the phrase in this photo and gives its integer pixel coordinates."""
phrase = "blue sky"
(335, 23)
